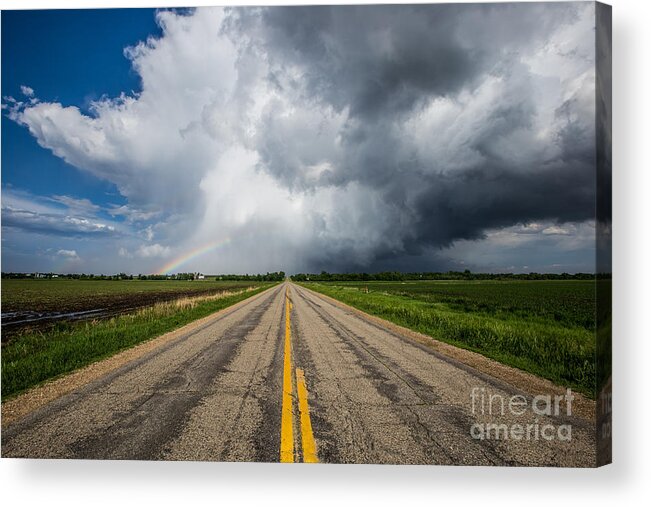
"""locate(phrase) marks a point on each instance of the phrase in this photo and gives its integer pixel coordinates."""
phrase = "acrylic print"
(318, 234)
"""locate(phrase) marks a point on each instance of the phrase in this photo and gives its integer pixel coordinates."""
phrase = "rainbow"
(174, 264)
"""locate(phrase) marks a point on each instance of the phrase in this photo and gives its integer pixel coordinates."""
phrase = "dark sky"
(403, 137)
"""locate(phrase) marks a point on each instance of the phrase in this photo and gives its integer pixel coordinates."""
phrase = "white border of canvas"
(103, 483)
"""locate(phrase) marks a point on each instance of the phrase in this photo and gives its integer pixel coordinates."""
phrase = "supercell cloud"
(338, 138)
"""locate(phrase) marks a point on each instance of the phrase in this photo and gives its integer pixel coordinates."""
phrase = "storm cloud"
(352, 137)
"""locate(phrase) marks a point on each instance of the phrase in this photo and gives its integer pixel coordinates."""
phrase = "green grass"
(34, 357)
(543, 327)
(604, 333)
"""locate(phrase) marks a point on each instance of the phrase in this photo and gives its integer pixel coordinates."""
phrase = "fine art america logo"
(518, 418)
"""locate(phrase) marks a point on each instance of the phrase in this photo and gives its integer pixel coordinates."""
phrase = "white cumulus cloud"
(68, 254)
(154, 250)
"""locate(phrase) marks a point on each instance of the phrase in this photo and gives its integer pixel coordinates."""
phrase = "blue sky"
(299, 139)
(73, 57)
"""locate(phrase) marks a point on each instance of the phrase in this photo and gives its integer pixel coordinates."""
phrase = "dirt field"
(37, 304)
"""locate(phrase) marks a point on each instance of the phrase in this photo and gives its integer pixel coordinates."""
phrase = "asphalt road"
(290, 376)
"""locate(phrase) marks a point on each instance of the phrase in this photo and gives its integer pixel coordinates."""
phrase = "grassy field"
(34, 356)
(544, 327)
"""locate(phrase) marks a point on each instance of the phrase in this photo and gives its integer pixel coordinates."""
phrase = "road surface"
(289, 375)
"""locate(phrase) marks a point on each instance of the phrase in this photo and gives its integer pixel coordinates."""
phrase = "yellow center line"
(309, 445)
(287, 453)
(287, 413)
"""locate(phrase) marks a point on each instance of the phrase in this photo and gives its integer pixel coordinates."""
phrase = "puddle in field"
(26, 317)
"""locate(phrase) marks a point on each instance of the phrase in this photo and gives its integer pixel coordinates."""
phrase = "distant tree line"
(176, 276)
(279, 276)
(268, 277)
(31, 275)
(276, 276)
(389, 276)
(91, 276)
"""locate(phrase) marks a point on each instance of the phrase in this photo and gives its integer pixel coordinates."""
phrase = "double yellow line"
(287, 451)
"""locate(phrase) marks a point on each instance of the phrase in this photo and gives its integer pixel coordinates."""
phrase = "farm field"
(39, 303)
(34, 354)
(544, 327)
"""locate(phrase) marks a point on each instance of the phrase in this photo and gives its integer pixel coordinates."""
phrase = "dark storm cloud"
(386, 63)
(386, 59)
(604, 138)
(374, 60)
(464, 207)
